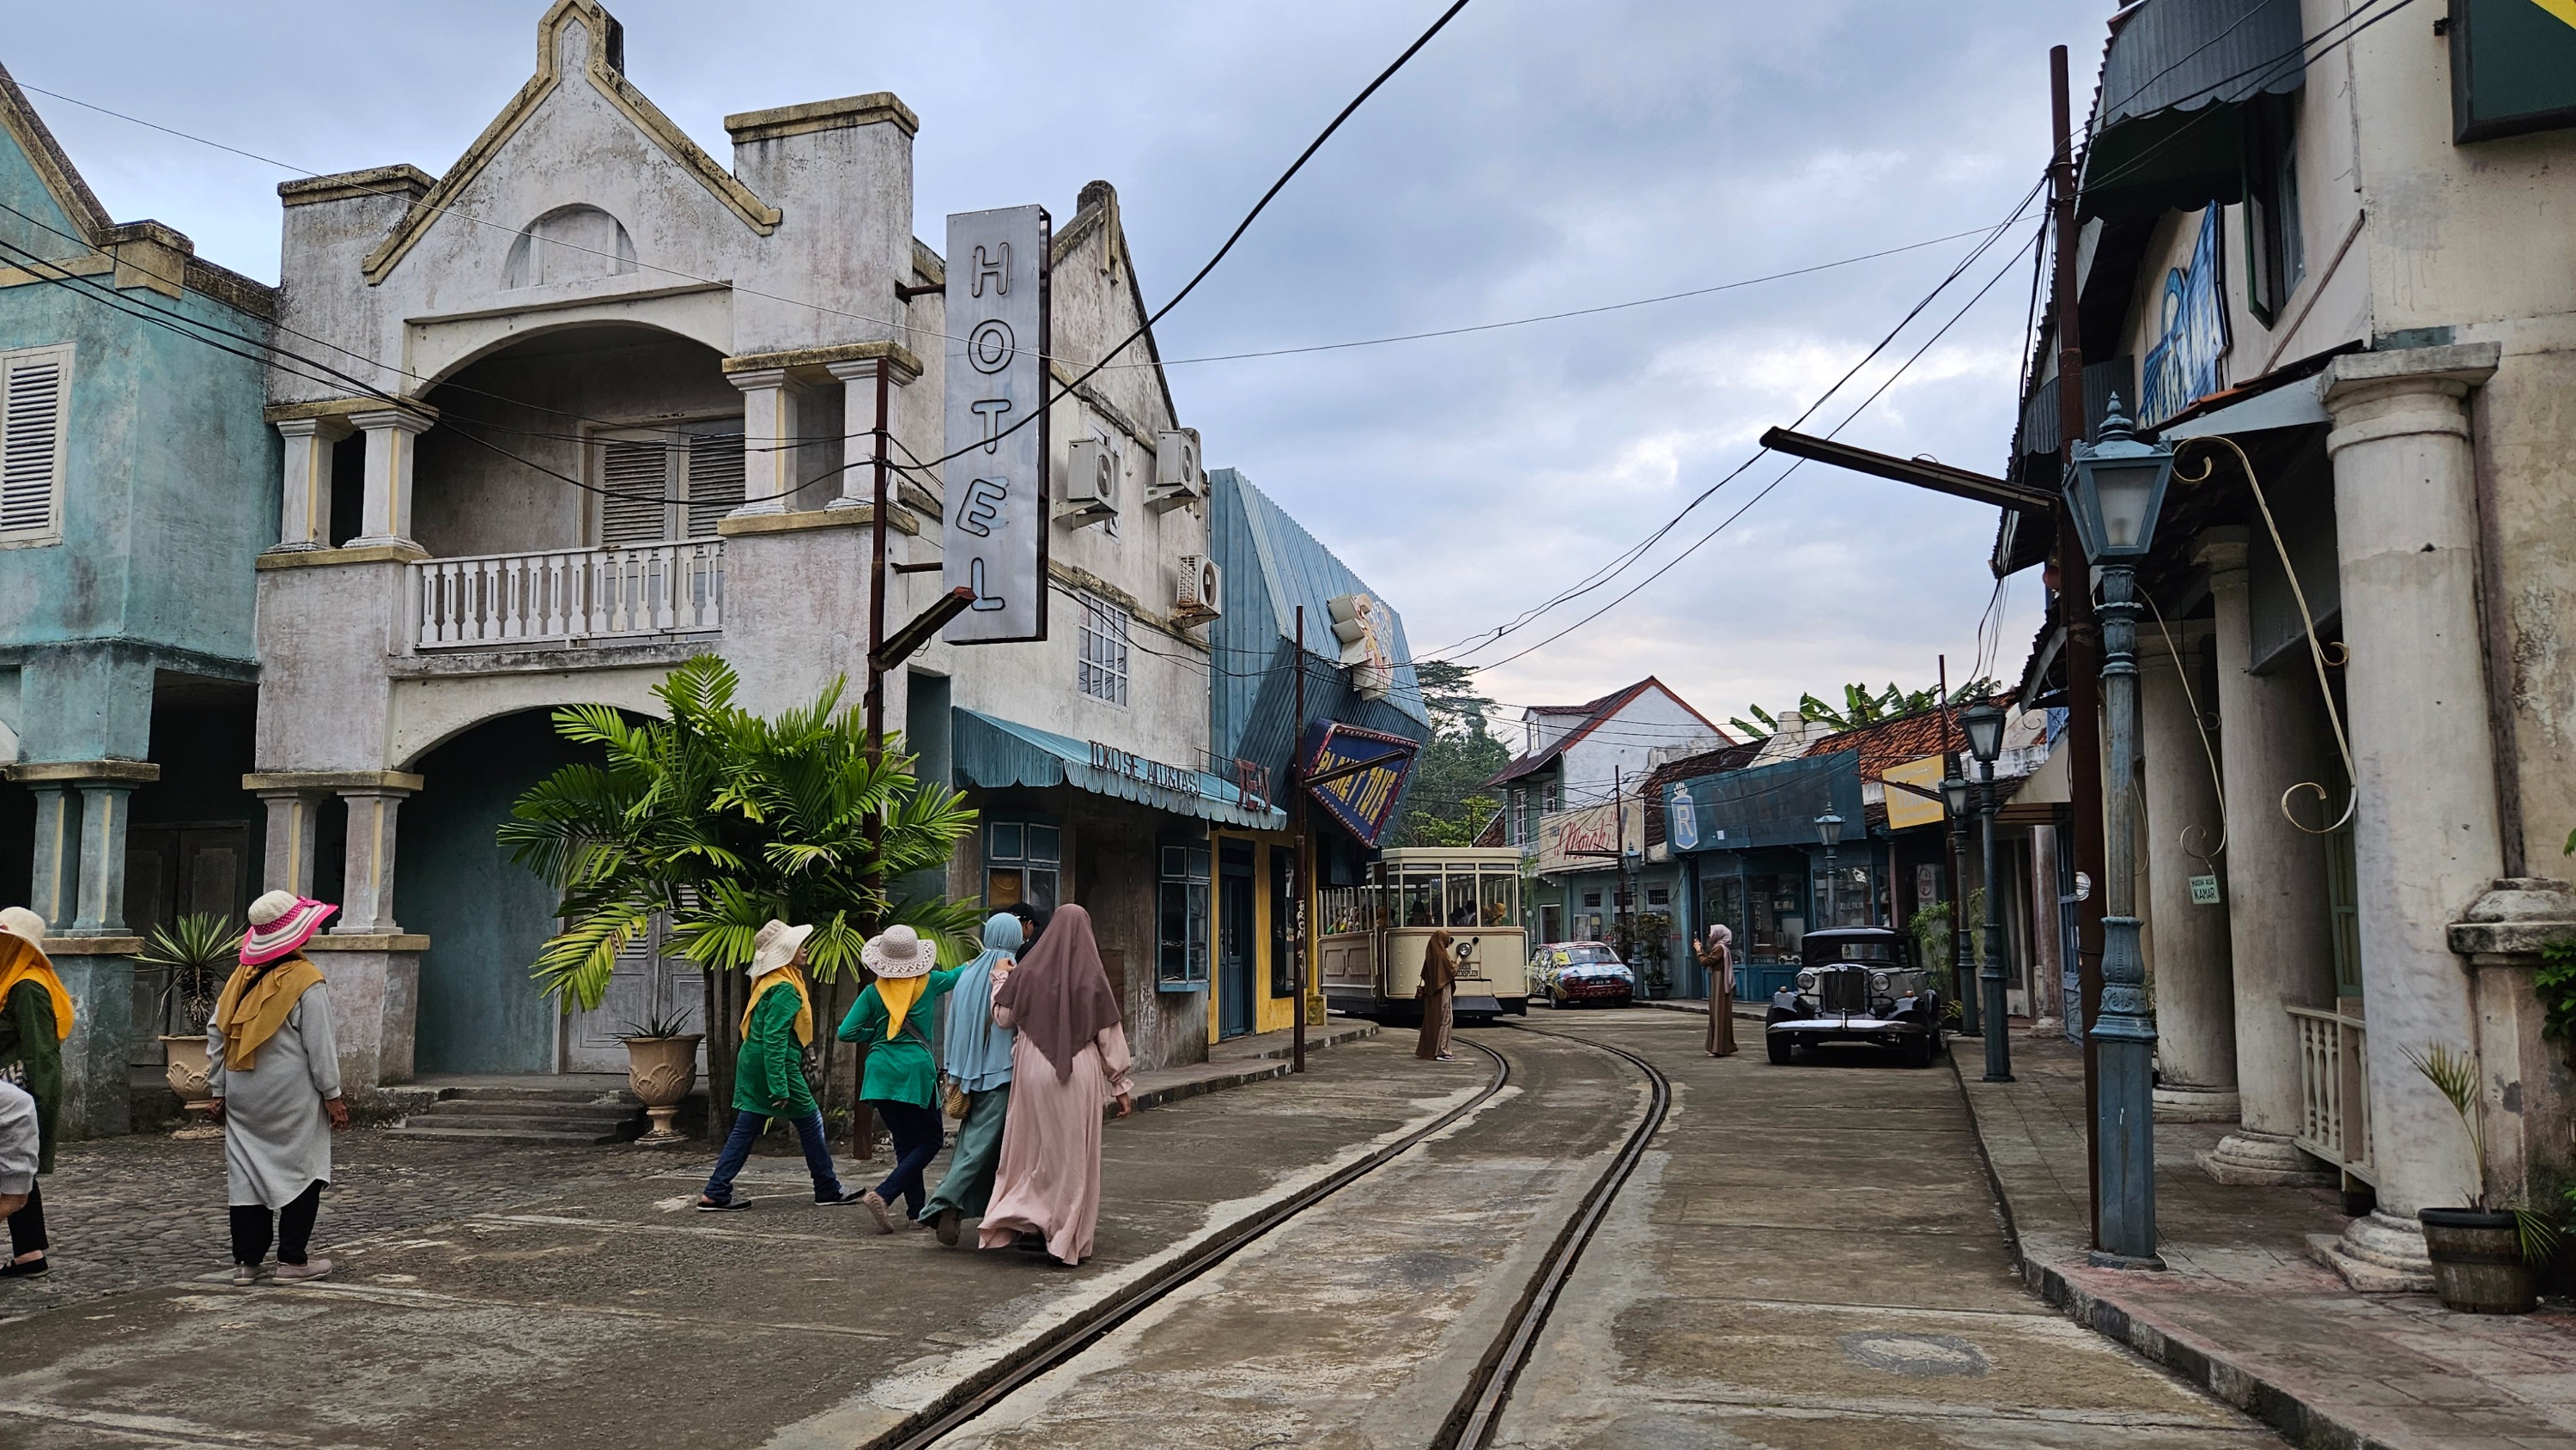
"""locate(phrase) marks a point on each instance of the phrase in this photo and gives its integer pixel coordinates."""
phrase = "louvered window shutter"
(635, 509)
(35, 388)
(715, 478)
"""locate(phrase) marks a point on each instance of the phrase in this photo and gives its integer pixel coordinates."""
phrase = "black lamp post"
(1829, 829)
(2115, 488)
(1984, 723)
(1956, 801)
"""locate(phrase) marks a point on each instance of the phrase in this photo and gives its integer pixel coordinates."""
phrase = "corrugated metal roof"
(995, 754)
(2165, 132)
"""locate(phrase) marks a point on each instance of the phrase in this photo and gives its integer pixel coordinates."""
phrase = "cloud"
(1536, 157)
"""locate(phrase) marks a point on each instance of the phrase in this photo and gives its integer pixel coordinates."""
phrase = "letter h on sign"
(995, 534)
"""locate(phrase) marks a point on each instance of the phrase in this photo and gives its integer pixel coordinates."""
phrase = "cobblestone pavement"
(124, 1213)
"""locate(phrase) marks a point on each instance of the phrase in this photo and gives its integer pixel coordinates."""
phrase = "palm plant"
(200, 950)
(2455, 1076)
(721, 820)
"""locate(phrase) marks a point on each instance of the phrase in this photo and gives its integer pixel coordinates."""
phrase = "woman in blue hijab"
(977, 1056)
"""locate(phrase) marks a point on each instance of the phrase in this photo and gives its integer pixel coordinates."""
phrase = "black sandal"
(27, 1270)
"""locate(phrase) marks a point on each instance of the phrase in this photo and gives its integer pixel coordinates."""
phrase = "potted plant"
(661, 1067)
(2486, 1260)
(199, 951)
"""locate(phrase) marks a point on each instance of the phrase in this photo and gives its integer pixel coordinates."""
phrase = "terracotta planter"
(661, 1070)
(2477, 1262)
(186, 1066)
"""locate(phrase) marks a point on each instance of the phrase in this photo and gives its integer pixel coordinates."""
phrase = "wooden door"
(650, 981)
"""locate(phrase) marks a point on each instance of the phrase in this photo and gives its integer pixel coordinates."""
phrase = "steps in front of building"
(561, 1117)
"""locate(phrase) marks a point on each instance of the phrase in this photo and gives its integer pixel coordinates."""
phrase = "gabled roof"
(606, 71)
(52, 166)
(1595, 713)
(1096, 210)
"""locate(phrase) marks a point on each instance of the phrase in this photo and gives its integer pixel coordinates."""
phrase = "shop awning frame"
(991, 753)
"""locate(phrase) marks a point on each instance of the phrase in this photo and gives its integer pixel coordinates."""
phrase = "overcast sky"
(1536, 157)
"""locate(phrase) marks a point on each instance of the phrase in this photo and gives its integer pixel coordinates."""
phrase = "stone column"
(2426, 837)
(386, 516)
(98, 972)
(99, 899)
(49, 891)
(2279, 930)
(768, 420)
(2195, 1002)
(293, 816)
(858, 378)
(304, 515)
(367, 905)
(2528, 1089)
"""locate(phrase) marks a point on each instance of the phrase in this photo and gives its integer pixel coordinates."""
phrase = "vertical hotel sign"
(994, 541)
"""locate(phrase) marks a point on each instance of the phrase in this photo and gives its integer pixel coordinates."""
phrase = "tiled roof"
(1894, 742)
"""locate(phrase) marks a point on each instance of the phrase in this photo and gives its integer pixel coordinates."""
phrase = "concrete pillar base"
(99, 974)
(2378, 1254)
(374, 983)
(2248, 1159)
(2195, 1105)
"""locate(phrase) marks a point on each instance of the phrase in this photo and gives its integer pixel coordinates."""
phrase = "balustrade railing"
(570, 594)
(2334, 1089)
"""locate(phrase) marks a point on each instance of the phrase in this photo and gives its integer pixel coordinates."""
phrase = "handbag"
(954, 1096)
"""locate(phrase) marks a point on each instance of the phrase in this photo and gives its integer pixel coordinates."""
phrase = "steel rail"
(981, 1392)
(1478, 1416)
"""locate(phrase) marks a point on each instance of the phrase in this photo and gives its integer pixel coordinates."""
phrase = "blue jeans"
(747, 1128)
(916, 1141)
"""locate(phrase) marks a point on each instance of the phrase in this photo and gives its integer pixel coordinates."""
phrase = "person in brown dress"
(1718, 956)
(1438, 994)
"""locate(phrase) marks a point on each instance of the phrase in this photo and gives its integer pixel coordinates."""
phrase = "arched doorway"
(487, 917)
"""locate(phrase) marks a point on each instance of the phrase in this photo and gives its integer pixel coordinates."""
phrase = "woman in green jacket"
(35, 1017)
(901, 1081)
(769, 1072)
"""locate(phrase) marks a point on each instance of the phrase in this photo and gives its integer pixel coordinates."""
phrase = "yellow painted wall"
(1269, 1013)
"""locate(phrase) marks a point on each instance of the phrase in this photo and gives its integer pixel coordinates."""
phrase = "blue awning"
(994, 754)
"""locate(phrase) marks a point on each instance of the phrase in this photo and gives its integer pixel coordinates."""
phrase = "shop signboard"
(1364, 800)
(1769, 805)
(994, 538)
(1588, 839)
(1905, 808)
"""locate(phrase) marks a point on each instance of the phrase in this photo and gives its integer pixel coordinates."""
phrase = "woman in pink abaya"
(1070, 1059)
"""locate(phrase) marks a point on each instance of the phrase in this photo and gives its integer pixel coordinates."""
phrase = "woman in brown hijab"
(1438, 992)
(1069, 1060)
(1718, 956)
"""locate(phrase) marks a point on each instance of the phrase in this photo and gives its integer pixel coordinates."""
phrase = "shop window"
(1181, 919)
(2343, 902)
(1659, 896)
(2273, 257)
(1022, 862)
(1283, 922)
(1591, 899)
(1102, 670)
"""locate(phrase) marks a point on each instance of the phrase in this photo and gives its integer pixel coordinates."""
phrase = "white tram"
(1375, 933)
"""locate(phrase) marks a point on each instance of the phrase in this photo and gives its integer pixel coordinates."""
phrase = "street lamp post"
(1955, 802)
(1985, 726)
(2114, 489)
(1829, 829)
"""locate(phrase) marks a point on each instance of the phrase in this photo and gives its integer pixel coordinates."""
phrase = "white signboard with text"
(995, 536)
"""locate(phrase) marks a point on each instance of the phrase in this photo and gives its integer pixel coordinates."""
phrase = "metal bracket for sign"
(1344, 772)
(903, 643)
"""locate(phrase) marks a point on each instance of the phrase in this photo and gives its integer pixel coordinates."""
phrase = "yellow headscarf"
(898, 994)
(790, 977)
(254, 1005)
(26, 963)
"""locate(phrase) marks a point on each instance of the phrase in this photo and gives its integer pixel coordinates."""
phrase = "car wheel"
(1780, 1048)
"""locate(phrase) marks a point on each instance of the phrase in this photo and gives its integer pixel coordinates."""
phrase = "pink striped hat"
(280, 922)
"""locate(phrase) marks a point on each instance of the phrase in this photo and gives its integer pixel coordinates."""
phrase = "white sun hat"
(899, 952)
(776, 946)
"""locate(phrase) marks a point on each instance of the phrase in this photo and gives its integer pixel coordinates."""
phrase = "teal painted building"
(138, 481)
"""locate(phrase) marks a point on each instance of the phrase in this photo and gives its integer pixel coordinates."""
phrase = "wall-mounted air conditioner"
(1090, 482)
(1180, 476)
(1201, 595)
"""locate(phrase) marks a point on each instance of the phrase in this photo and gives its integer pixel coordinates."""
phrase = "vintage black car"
(1857, 984)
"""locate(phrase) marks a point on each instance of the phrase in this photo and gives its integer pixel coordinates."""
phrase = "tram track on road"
(1472, 1423)
(980, 1394)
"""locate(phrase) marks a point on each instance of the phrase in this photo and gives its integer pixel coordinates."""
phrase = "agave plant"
(200, 949)
(723, 819)
(2455, 1076)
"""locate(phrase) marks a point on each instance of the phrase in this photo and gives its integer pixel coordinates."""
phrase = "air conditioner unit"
(1201, 595)
(1179, 475)
(1090, 482)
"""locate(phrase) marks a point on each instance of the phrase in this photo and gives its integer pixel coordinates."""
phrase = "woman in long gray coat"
(275, 1080)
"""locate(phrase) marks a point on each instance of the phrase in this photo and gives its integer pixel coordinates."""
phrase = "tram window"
(1462, 901)
(1500, 895)
(1419, 904)
(1341, 909)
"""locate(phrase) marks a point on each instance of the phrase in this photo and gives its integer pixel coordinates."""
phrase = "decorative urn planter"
(2478, 1266)
(186, 1066)
(661, 1070)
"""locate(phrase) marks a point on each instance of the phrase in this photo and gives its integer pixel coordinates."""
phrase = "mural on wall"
(2189, 360)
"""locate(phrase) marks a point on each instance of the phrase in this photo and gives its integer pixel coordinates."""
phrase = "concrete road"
(1810, 1258)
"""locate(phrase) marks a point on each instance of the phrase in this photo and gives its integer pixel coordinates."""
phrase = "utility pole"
(863, 1139)
(2083, 652)
(1297, 854)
